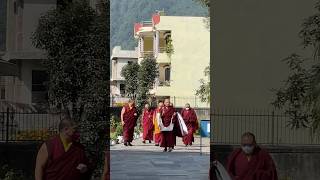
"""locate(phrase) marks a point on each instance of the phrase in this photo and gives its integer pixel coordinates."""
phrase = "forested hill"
(124, 13)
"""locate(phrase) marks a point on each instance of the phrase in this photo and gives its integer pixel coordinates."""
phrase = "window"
(39, 90)
(38, 80)
(167, 74)
(122, 89)
(3, 93)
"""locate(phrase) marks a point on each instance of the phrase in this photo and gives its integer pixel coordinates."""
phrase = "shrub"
(36, 135)
(7, 173)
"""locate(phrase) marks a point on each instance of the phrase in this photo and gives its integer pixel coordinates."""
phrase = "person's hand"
(215, 163)
(122, 123)
(82, 168)
(174, 113)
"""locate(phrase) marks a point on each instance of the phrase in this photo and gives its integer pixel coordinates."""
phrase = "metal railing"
(270, 127)
(146, 54)
(27, 126)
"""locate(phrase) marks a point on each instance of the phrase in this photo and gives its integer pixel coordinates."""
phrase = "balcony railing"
(147, 23)
(164, 83)
(162, 49)
(146, 54)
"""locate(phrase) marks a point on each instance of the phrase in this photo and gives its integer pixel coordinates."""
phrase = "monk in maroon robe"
(147, 123)
(190, 118)
(168, 138)
(251, 162)
(62, 157)
(129, 117)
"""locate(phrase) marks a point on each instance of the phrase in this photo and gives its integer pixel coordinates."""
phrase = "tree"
(301, 93)
(147, 74)
(130, 74)
(75, 39)
(204, 90)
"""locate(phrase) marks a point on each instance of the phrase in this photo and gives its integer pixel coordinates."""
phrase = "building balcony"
(163, 58)
(145, 54)
(164, 83)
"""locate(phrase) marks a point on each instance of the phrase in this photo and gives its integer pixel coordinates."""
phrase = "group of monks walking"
(160, 124)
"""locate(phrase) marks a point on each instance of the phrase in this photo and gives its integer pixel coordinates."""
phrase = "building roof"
(8, 69)
(117, 52)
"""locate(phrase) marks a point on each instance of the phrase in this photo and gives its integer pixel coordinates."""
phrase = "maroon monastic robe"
(62, 165)
(130, 117)
(190, 119)
(168, 138)
(147, 124)
(260, 166)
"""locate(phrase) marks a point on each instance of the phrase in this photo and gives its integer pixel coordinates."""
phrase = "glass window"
(122, 89)
(167, 74)
(38, 80)
(3, 93)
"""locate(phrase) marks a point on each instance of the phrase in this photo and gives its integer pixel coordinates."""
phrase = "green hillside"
(124, 13)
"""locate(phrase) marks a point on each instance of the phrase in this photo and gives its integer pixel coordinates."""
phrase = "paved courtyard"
(148, 162)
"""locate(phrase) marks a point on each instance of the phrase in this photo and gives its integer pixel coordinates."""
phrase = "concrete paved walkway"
(148, 162)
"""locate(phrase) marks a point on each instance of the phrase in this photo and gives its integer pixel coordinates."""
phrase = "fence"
(178, 101)
(27, 126)
(269, 127)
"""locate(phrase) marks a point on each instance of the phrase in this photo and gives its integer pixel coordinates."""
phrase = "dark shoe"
(143, 141)
(126, 144)
(130, 144)
(156, 144)
(149, 141)
(170, 150)
(165, 150)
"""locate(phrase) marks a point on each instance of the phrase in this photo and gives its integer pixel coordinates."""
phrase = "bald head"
(66, 123)
(167, 102)
(248, 138)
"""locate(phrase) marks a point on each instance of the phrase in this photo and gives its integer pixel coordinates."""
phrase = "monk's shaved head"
(248, 138)
(167, 102)
(66, 122)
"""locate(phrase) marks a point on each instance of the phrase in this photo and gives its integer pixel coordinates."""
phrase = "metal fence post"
(7, 126)
(200, 139)
(272, 135)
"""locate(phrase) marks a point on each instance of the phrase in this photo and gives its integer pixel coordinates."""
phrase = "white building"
(119, 59)
(24, 84)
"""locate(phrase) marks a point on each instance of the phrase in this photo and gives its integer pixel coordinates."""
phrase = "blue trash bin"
(205, 128)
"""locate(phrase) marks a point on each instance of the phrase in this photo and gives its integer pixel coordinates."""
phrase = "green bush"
(7, 173)
(119, 129)
(113, 136)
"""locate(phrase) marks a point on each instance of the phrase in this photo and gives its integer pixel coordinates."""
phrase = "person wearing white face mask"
(190, 118)
(250, 162)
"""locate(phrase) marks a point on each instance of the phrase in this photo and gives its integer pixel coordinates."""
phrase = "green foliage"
(204, 90)
(130, 74)
(124, 13)
(119, 129)
(300, 96)
(75, 39)
(147, 74)
(7, 173)
(169, 48)
(295, 93)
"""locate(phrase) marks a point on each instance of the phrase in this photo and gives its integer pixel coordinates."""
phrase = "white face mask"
(187, 108)
(247, 149)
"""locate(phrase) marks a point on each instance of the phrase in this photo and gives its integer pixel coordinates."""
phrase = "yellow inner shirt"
(66, 145)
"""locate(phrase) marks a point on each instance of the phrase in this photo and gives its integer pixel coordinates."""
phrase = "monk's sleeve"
(231, 165)
(269, 171)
